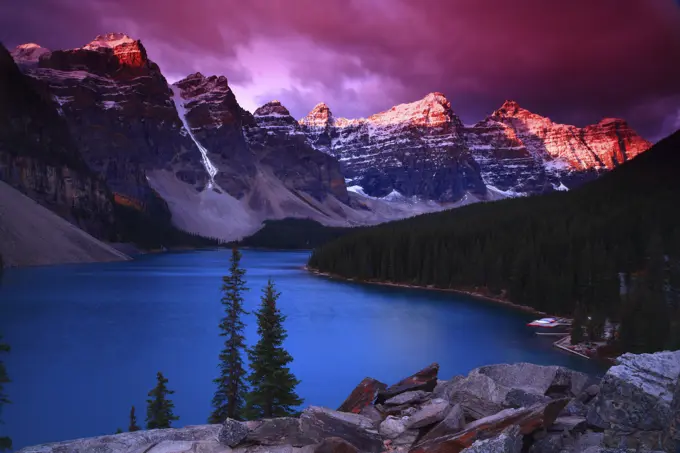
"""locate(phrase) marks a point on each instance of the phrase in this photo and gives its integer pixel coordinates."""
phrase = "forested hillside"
(293, 234)
(562, 253)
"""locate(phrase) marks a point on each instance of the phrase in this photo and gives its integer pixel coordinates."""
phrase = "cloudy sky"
(575, 61)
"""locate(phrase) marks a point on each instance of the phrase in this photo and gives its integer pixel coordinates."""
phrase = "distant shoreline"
(524, 308)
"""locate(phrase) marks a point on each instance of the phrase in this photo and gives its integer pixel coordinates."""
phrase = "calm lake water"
(87, 340)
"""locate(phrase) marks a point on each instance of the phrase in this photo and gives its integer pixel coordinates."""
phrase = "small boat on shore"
(550, 326)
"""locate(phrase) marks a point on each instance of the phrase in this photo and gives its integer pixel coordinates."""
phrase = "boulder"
(443, 388)
(671, 442)
(454, 422)
(520, 398)
(335, 445)
(408, 398)
(509, 441)
(373, 414)
(575, 408)
(363, 395)
(551, 443)
(587, 440)
(170, 446)
(634, 401)
(534, 379)
(232, 432)
(392, 427)
(429, 414)
(318, 423)
(473, 406)
(425, 379)
(276, 431)
(528, 419)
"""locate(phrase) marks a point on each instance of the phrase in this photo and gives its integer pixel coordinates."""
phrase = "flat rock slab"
(528, 420)
(135, 442)
(276, 431)
(429, 414)
(362, 395)
(473, 406)
(318, 423)
(408, 398)
(569, 423)
(425, 379)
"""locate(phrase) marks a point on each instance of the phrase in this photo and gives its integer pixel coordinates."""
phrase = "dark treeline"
(293, 234)
(562, 253)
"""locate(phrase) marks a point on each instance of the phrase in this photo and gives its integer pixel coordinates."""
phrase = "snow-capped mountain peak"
(319, 116)
(432, 110)
(29, 53)
(109, 41)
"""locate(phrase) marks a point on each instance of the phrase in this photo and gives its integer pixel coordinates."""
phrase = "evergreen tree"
(5, 442)
(159, 408)
(119, 431)
(133, 421)
(272, 383)
(229, 397)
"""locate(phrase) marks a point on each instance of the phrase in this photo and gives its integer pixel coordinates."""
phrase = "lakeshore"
(476, 295)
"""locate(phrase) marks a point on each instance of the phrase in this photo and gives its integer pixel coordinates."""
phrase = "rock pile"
(509, 408)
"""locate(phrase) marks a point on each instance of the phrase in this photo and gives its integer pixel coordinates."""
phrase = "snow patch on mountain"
(108, 41)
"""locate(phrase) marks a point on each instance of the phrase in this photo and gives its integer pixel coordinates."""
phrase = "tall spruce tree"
(272, 383)
(229, 398)
(159, 408)
(133, 421)
(5, 442)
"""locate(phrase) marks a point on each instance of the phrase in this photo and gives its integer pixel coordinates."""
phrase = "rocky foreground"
(508, 408)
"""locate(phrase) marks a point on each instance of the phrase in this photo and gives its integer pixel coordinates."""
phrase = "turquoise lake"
(88, 339)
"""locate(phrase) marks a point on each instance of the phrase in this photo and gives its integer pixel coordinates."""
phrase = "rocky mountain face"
(119, 109)
(191, 152)
(507, 408)
(415, 149)
(39, 158)
(423, 149)
(522, 152)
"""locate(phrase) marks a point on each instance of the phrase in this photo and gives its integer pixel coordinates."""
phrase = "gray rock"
(452, 423)
(575, 408)
(277, 431)
(508, 441)
(551, 443)
(636, 395)
(408, 398)
(594, 419)
(570, 424)
(639, 440)
(671, 440)
(138, 441)
(473, 406)
(444, 388)
(373, 414)
(318, 423)
(406, 439)
(171, 446)
(429, 414)
(392, 427)
(520, 398)
(232, 432)
(587, 440)
(536, 379)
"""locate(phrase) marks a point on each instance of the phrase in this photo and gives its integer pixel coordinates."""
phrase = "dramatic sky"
(575, 61)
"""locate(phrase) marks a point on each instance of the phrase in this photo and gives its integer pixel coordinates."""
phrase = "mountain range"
(189, 152)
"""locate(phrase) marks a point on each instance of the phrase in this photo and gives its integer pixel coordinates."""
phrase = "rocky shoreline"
(507, 408)
(476, 295)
